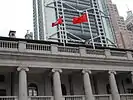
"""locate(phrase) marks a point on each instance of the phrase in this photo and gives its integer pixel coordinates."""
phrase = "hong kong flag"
(80, 19)
(59, 21)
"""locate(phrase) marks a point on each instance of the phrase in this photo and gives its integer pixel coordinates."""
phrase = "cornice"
(64, 59)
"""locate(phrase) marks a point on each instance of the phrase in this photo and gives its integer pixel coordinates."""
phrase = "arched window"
(32, 89)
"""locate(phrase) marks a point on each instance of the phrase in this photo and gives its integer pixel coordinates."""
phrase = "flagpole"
(90, 30)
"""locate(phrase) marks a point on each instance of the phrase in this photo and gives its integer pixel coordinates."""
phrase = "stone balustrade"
(75, 97)
(71, 97)
(103, 97)
(8, 45)
(38, 47)
(40, 98)
(23, 46)
(8, 98)
(126, 96)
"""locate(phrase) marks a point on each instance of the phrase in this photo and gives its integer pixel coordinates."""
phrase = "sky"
(17, 15)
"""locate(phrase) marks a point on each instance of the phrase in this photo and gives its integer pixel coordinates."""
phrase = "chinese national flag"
(59, 21)
(81, 19)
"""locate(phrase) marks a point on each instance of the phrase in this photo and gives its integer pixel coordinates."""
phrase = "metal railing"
(126, 96)
(40, 98)
(103, 97)
(8, 98)
(75, 97)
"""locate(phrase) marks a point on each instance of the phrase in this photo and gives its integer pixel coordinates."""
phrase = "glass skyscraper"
(96, 31)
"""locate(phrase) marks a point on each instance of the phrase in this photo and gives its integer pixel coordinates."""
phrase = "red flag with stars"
(80, 19)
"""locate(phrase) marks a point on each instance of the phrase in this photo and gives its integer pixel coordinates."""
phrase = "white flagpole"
(93, 44)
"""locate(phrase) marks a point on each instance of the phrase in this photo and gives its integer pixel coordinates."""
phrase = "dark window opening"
(129, 90)
(2, 78)
(32, 89)
(2, 92)
(108, 89)
(64, 92)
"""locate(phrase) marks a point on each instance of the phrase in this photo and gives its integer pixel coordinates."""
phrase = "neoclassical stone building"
(39, 70)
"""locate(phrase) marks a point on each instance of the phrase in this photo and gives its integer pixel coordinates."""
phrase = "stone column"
(57, 84)
(113, 86)
(23, 83)
(87, 85)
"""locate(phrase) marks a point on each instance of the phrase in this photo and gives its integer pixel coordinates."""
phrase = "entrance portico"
(83, 84)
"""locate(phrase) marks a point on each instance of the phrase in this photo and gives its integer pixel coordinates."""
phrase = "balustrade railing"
(9, 44)
(67, 50)
(103, 97)
(8, 98)
(118, 53)
(95, 52)
(40, 98)
(126, 96)
(39, 47)
(75, 97)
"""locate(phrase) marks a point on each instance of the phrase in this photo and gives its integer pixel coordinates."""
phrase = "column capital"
(86, 71)
(132, 73)
(56, 70)
(112, 72)
(23, 68)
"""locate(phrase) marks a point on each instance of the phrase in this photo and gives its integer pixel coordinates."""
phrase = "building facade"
(129, 21)
(123, 36)
(42, 70)
(96, 31)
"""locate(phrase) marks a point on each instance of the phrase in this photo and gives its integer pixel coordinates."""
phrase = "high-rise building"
(107, 21)
(38, 19)
(129, 24)
(95, 31)
(129, 21)
(123, 36)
